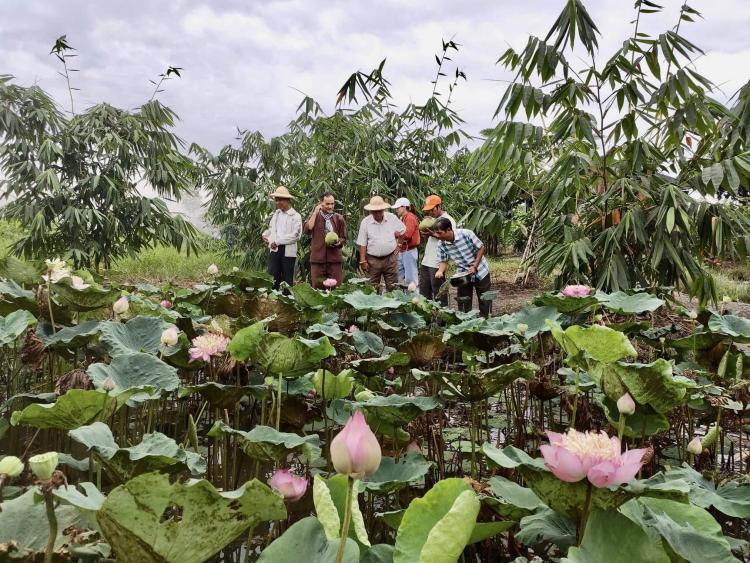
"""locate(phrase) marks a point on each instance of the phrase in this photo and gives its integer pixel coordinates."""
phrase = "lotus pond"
(229, 422)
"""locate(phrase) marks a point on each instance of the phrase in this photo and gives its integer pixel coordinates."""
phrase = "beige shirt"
(380, 238)
(431, 259)
(286, 229)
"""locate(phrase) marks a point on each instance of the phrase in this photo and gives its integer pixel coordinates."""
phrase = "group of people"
(388, 245)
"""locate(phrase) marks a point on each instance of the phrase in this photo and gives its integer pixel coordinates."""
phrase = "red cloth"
(411, 235)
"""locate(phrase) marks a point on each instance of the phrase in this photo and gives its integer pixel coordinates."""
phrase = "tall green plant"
(621, 156)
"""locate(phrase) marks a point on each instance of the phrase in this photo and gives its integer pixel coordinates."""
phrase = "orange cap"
(431, 201)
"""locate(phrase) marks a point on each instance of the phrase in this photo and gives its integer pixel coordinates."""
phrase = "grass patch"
(733, 280)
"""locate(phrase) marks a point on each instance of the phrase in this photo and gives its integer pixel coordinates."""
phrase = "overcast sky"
(245, 62)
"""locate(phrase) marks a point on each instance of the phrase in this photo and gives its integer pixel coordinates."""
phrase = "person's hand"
(265, 238)
(439, 275)
(317, 209)
(365, 265)
(472, 270)
(274, 246)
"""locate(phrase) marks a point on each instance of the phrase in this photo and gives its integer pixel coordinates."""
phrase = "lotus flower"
(207, 345)
(292, 487)
(575, 455)
(56, 270)
(213, 269)
(352, 329)
(695, 446)
(330, 283)
(11, 466)
(412, 287)
(414, 447)
(355, 450)
(108, 384)
(44, 465)
(121, 305)
(77, 283)
(166, 303)
(169, 336)
(415, 300)
(576, 291)
(626, 404)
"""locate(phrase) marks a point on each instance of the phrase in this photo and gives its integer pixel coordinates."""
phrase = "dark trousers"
(464, 296)
(319, 272)
(429, 284)
(385, 267)
(281, 267)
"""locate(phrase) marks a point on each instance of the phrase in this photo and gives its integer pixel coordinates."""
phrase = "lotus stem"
(621, 427)
(49, 305)
(49, 503)
(278, 403)
(584, 514)
(347, 521)
(575, 404)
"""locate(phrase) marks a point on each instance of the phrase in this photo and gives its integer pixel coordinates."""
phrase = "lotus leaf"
(423, 348)
(546, 525)
(485, 383)
(601, 343)
(150, 518)
(68, 337)
(139, 334)
(14, 325)
(510, 499)
(331, 330)
(332, 386)
(13, 297)
(398, 410)
(567, 304)
(732, 497)
(635, 304)
(394, 475)
(736, 327)
(370, 302)
(89, 299)
(267, 444)
(366, 342)
(330, 503)
(373, 366)
(137, 369)
(534, 318)
(221, 396)
(307, 537)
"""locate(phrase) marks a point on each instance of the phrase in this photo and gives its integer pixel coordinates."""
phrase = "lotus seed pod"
(44, 465)
(11, 466)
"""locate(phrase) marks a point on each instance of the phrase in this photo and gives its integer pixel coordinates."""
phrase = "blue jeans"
(407, 267)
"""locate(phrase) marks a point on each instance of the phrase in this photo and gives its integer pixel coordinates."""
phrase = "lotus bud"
(626, 404)
(412, 287)
(11, 466)
(108, 384)
(166, 303)
(693, 315)
(292, 487)
(213, 269)
(121, 305)
(694, 446)
(169, 336)
(414, 447)
(415, 300)
(522, 328)
(726, 299)
(44, 465)
(355, 450)
(662, 340)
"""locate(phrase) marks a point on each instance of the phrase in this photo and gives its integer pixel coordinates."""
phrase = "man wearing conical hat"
(281, 236)
(378, 238)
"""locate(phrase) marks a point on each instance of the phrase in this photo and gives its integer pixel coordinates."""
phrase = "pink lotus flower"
(108, 384)
(330, 283)
(414, 447)
(575, 455)
(166, 303)
(352, 329)
(292, 487)
(207, 345)
(355, 450)
(576, 291)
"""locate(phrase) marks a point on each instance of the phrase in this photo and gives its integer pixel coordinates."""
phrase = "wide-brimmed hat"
(282, 193)
(377, 203)
(431, 201)
(401, 202)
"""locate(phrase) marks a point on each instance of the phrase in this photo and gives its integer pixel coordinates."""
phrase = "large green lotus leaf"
(329, 496)
(14, 325)
(245, 342)
(698, 341)
(366, 342)
(331, 330)
(373, 366)
(67, 337)
(316, 349)
(155, 452)
(736, 327)
(380, 553)
(436, 527)
(280, 355)
(150, 518)
(395, 475)
(534, 318)
(479, 333)
(136, 369)
(732, 497)
(485, 530)
(545, 526)
(401, 320)
(397, 409)
(423, 348)
(76, 408)
(333, 386)
(566, 304)
(691, 532)
(221, 396)
(24, 529)
(487, 382)
(306, 540)
(511, 458)
(510, 499)
(370, 301)
(89, 299)
(601, 343)
(645, 421)
(267, 444)
(635, 304)
(140, 334)
(649, 384)
(14, 297)
(611, 537)
(309, 298)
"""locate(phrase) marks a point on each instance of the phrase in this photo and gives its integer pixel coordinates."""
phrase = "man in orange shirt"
(407, 257)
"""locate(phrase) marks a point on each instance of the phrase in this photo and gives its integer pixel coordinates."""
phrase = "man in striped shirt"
(465, 249)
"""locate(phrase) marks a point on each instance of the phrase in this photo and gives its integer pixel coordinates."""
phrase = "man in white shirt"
(428, 283)
(281, 237)
(378, 239)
